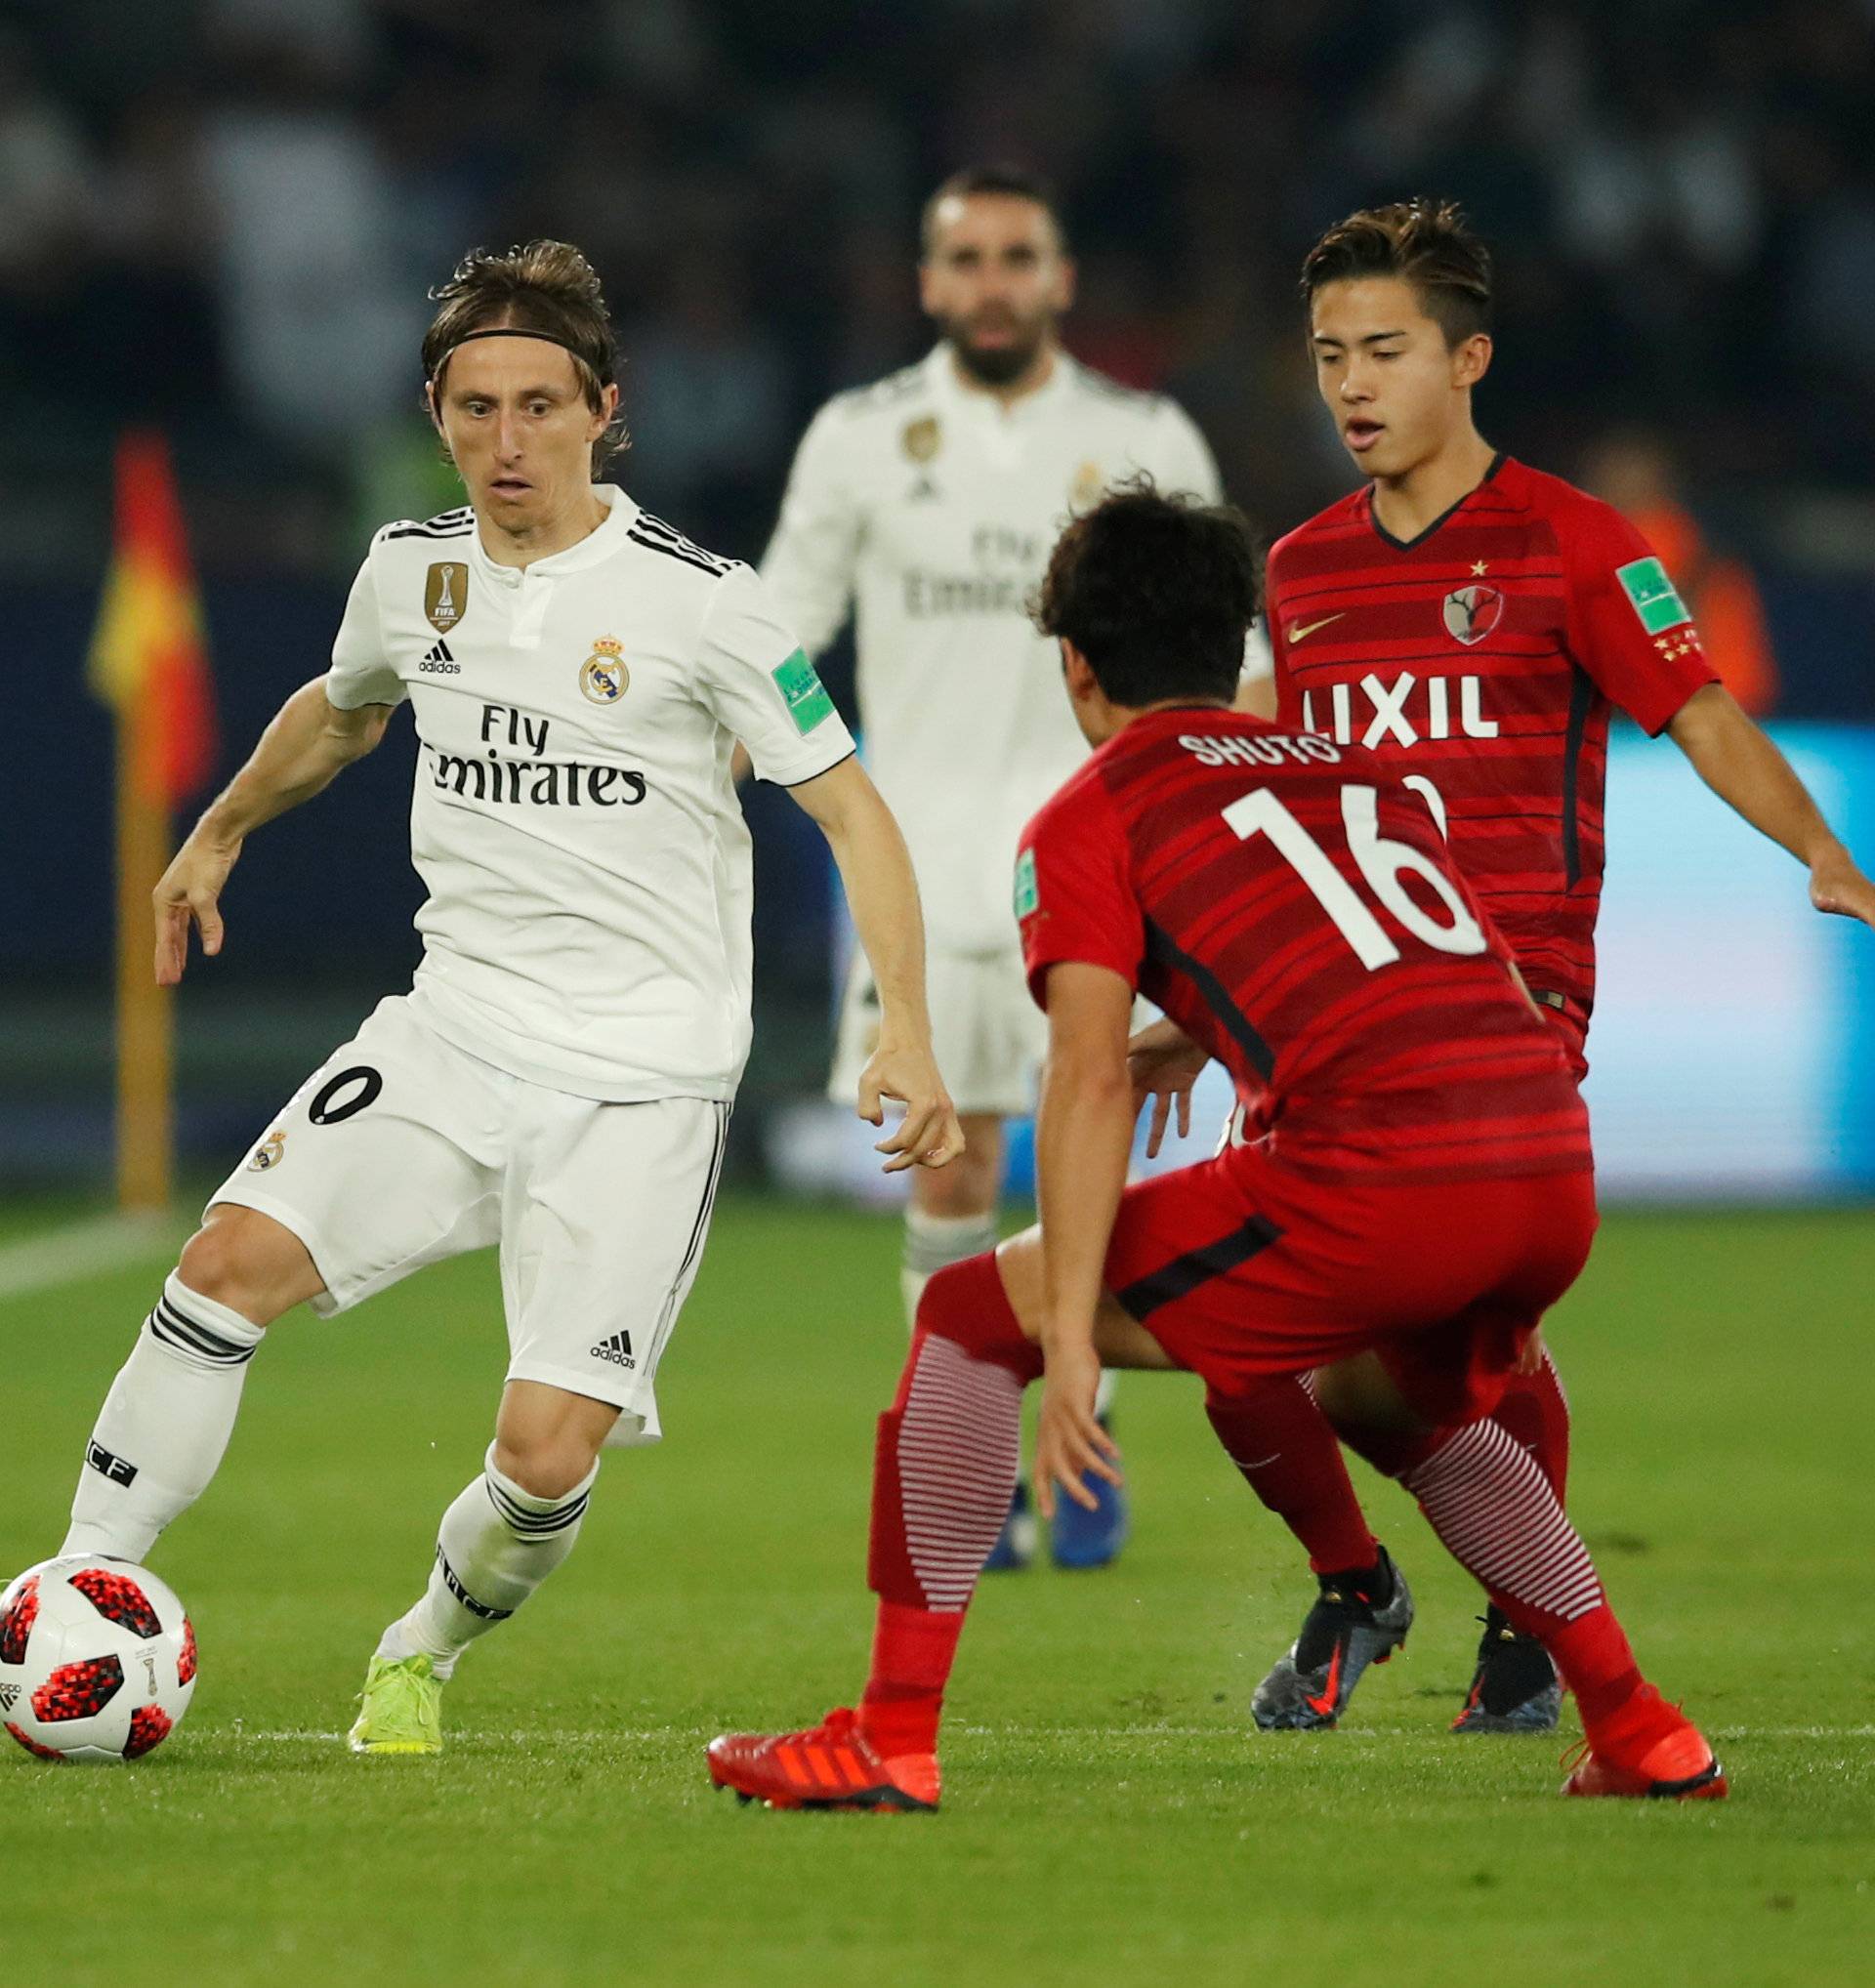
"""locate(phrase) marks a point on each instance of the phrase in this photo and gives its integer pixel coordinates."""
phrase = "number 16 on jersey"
(1383, 863)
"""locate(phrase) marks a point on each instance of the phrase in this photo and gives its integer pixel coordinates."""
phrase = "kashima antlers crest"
(1471, 612)
(445, 595)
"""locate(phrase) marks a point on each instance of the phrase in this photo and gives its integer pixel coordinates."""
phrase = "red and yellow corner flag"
(148, 657)
(149, 663)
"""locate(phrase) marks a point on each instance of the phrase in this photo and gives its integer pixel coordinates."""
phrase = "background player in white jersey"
(558, 1078)
(929, 503)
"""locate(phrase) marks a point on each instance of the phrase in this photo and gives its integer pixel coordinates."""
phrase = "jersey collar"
(599, 545)
(1451, 511)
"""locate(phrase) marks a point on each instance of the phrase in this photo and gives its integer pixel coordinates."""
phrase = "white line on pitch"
(1348, 1735)
(86, 1248)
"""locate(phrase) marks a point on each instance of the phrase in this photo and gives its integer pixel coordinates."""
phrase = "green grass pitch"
(1109, 1816)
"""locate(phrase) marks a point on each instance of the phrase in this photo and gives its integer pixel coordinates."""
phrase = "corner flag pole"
(145, 1011)
(150, 664)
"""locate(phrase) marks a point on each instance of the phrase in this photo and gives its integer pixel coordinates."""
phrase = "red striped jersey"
(1295, 911)
(1480, 663)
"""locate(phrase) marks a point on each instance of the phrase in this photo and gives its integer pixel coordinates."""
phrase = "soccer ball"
(96, 1660)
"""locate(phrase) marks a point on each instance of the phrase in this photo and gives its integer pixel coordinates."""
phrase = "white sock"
(933, 1243)
(497, 1543)
(164, 1425)
(1104, 1393)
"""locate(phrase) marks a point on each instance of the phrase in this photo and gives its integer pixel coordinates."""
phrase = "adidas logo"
(9, 1697)
(439, 662)
(617, 1350)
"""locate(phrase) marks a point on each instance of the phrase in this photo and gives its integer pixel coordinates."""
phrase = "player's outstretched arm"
(310, 741)
(1083, 1139)
(876, 869)
(1745, 769)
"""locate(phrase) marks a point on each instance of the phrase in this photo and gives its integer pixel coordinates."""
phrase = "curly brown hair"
(540, 286)
(1157, 592)
(1428, 243)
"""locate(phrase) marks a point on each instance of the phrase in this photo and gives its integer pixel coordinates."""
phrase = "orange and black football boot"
(1648, 1749)
(830, 1765)
(1354, 1622)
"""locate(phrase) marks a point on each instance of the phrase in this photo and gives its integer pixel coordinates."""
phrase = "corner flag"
(149, 663)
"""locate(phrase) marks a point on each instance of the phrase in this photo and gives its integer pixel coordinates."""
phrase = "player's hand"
(928, 1134)
(1164, 1063)
(1836, 885)
(1069, 1441)
(190, 891)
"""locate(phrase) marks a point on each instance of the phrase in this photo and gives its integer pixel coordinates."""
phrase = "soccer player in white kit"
(929, 503)
(558, 1078)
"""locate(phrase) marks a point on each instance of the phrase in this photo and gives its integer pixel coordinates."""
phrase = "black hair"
(1428, 244)
(1157, 592)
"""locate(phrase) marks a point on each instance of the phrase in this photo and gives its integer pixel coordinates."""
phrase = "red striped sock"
(944, 1465)
(1493, 1508)
(1536, 1412)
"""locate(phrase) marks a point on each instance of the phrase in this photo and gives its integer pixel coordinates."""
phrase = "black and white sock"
(164, 1425)
(496, 1545)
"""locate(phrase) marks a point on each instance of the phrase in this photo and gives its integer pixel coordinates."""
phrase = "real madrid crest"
(922, 438)
(269, 1152)
(445, 595)
(1087, 488)
(603, 678)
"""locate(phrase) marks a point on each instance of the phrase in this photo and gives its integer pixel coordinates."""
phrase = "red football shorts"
(1243, 1268)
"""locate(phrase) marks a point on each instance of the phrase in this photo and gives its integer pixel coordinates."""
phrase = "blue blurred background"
(222, 218)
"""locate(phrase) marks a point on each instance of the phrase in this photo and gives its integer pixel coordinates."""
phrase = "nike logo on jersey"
(1303, 630)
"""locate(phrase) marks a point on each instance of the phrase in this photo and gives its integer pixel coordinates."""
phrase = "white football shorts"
(402, 1150)
(988, 1034)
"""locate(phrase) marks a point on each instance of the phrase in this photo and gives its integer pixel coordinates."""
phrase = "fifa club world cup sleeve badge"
(1652, 595)
(1028, 896)
(803, 691)
(603, 678)
(445, 595)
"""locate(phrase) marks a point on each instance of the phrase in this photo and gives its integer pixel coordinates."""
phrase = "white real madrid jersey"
(574, 820)
(932, 508)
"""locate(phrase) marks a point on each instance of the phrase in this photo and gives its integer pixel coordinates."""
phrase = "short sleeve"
(361, 673)
(809, 566)
(1626, 624)
(757, 680)
(1074, 897)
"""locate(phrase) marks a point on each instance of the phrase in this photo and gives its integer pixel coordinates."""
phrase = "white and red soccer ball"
(96, 1660)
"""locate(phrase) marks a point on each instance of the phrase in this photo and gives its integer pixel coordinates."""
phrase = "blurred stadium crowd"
(224, 214)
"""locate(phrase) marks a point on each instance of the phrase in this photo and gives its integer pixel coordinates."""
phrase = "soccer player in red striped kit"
(1474, 624)
(1419, 1191)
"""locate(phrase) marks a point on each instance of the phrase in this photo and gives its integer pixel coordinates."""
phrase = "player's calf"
(497, 1543)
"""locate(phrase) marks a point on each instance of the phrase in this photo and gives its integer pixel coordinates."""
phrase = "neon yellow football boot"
(400, 1709)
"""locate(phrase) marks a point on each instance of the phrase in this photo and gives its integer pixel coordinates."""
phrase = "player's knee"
(547, 1464)
(968, 1304)
(248, 1262)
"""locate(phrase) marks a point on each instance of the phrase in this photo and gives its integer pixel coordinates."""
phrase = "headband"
(510, 331)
